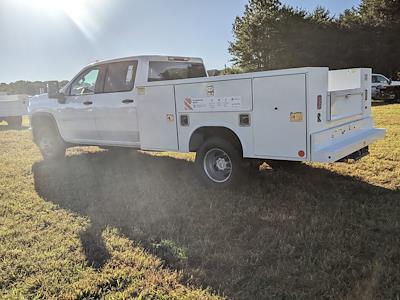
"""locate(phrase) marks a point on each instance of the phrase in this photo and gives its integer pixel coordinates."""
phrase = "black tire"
(216, 175)
(14, 122)
(50, 143)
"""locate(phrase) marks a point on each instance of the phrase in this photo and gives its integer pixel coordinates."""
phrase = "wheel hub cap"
(217, 165)
(221, 164)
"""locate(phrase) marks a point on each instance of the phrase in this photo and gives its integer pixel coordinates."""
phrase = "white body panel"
(273, 104)
(224, 96)
(286, 120)
(157, 121)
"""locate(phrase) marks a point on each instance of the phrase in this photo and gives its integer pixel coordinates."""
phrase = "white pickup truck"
(160, 103)
(12, 109)
(384, 88)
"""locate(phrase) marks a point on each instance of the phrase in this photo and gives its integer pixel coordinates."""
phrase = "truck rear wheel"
(50, 143)
(15, 122)
(219, 163)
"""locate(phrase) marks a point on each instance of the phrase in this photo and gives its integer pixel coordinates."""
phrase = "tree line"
(271, 35)
(26, 87)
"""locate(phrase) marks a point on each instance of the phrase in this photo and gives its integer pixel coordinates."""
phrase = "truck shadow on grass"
(305, 233)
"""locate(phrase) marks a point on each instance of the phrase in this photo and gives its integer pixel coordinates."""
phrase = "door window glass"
(161, 70)
(85, 84)
(120, 77)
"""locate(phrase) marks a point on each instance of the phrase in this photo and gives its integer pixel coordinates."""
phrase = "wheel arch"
(43, 119)
(200, 134)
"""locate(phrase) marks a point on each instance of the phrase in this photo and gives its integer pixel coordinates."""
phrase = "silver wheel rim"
(47, 146)
(217, 165)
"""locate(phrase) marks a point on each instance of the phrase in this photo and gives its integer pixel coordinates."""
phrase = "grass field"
(118, 224)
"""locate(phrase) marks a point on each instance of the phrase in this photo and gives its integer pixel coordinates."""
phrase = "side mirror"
(53, 91)
(390, 81)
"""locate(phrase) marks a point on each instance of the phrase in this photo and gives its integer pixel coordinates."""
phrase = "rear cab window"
(174, 70)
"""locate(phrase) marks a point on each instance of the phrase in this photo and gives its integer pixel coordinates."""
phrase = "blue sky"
(54, 39)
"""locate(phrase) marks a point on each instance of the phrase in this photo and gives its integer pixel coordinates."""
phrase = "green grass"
(117, 225)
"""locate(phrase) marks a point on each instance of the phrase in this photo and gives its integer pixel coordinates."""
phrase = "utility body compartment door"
(279, 117)
(157, 118)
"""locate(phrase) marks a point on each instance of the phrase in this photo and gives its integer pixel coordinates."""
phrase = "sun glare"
(78, 11)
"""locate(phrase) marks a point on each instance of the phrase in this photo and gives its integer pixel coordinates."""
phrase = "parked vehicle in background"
(384, 88)
(13, 108)
(161, 103)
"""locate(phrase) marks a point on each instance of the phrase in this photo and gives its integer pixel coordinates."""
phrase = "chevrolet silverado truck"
(164, 103)
(12, 109)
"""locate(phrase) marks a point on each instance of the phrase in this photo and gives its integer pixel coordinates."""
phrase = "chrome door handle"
(127, 101)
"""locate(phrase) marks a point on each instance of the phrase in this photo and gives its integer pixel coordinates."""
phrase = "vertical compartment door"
(157, 118)
(279, 116)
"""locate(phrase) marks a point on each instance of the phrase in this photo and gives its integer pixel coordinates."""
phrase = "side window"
(374, 79)
(120, 77)
(159, 71)
(85, 84)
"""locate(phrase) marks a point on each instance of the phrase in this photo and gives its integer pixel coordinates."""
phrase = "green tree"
(271, 35)
(26, 87)
(382, 19)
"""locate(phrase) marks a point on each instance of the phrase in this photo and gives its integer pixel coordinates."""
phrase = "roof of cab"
(147, 58)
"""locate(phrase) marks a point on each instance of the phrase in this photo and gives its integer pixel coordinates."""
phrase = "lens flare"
(80, 12)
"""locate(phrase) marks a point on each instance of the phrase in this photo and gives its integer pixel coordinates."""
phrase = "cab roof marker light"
(176, 58)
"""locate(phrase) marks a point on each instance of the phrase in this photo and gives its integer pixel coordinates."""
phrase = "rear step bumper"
(356, 155)
(349, 146)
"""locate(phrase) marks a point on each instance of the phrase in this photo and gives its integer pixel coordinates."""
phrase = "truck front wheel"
(50, 143)
(219, 163)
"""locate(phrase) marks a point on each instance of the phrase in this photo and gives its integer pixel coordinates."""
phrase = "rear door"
(279, 117)
(116, 111)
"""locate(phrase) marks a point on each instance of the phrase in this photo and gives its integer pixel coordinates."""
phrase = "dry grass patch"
(44, 248)
(316, 231)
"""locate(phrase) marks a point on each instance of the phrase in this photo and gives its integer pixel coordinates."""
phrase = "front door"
(76, 116)
(116, 115)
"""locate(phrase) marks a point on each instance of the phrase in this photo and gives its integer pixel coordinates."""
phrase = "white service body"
(304, 114)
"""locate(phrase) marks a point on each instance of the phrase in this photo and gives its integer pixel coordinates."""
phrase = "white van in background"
(13, 108)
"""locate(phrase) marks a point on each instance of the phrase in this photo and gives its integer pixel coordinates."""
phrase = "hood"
(41, 96)
(38, 101)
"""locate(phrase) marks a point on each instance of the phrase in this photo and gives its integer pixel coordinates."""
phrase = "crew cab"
(162, 103)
